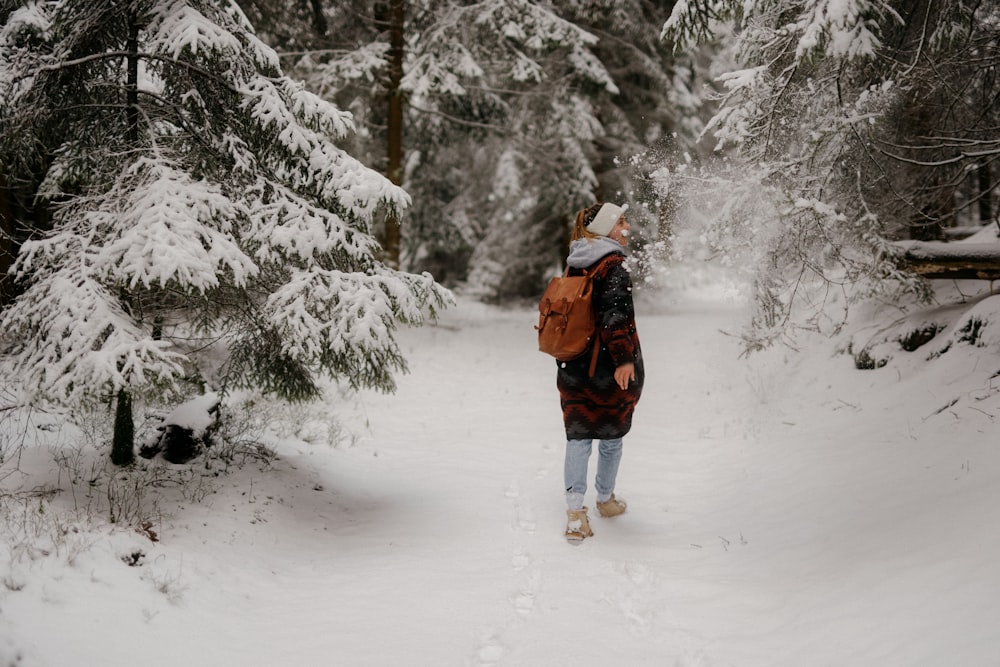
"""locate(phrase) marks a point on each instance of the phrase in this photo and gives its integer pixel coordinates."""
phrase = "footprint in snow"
(489, 653)
(524, 600)
(524, 518)
(520, 560)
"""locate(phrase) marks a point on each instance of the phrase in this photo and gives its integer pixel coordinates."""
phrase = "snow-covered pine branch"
(70, 340)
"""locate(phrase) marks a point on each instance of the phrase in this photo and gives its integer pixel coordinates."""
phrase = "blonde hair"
(583, 218)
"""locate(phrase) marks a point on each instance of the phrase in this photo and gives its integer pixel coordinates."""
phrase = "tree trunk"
(132, 85)
(394, 170)
(319, 19)
(122, 443)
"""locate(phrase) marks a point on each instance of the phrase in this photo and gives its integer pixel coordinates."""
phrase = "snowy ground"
(786, 510)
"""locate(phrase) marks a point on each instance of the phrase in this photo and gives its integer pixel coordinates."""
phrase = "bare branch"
(961, 157)
(460, 121)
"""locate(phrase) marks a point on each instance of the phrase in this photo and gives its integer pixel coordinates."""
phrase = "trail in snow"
(492, 446)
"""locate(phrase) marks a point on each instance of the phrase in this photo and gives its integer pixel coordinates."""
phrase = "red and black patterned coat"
(596, 407)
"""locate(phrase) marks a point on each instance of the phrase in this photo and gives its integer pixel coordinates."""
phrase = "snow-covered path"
(474, 439)
(781, 512)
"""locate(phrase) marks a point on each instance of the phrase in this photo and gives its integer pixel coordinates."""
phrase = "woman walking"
(599, 406)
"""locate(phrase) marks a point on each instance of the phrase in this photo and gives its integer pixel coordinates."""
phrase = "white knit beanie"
(605, 220)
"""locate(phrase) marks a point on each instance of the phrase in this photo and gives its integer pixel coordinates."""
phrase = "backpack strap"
(593, 356)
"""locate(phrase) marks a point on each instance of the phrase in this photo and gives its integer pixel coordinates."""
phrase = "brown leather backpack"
(566, 323)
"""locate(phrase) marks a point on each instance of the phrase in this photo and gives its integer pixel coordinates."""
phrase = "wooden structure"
(957, 261)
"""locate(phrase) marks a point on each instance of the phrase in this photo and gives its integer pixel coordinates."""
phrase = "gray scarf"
(584, 252)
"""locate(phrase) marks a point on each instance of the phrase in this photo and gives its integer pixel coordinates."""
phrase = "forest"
(233, 204)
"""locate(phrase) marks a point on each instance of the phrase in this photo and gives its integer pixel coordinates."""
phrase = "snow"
(429, 74)
(177, 27)
(195, 414)
(591, 68)
(31, 18)
(97, 347)
(783, 509)
(986, 251)
(165, 231)
(676, 15)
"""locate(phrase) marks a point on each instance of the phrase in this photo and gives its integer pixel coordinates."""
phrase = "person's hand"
(625, 374)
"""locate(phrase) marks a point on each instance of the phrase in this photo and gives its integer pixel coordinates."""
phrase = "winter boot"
(577, 525)
(613, 507)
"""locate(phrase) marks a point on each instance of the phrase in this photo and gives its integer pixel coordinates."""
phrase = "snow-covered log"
(937, 259)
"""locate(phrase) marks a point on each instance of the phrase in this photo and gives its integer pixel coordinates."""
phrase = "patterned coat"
(595, 407)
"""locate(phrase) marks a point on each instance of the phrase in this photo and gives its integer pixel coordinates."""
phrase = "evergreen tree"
(179, 199)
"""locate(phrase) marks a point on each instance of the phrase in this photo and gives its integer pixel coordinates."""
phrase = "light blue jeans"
(609, 455)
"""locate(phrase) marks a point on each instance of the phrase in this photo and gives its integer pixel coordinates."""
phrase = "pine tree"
(179, 199)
